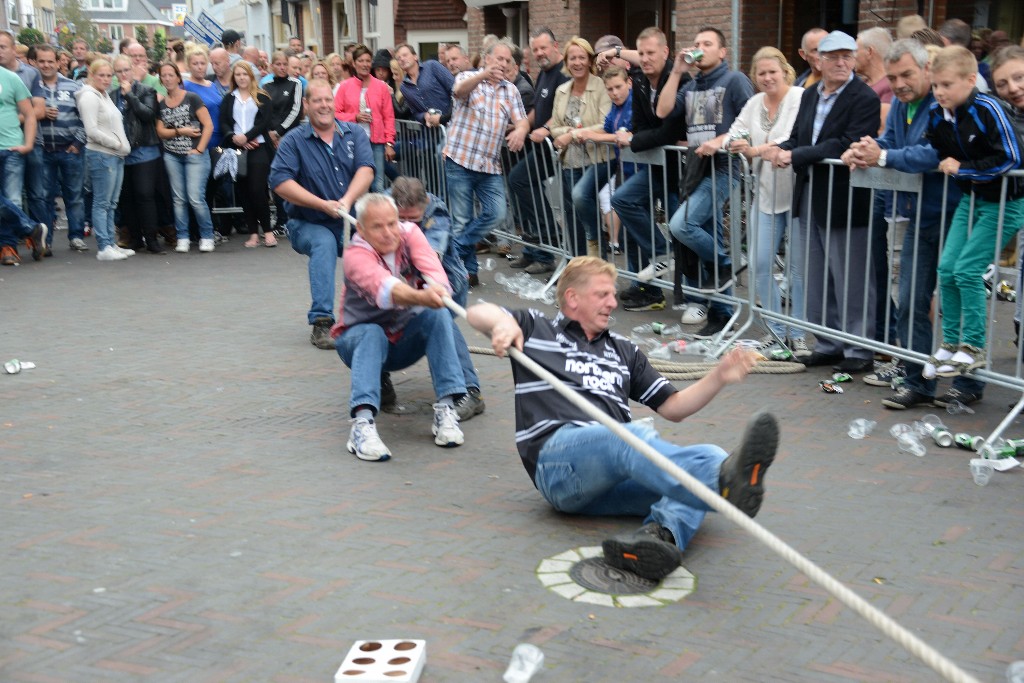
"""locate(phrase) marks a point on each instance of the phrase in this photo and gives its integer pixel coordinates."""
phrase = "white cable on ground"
(911, 643)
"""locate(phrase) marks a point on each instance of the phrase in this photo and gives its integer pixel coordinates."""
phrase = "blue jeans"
(697, 225)
(63, 172)
(589, 471)
(36, 186)
(918, 272)
(15, 225)
(106, 172)
(456, 272)
(365, 349)
(769, 231)
(633, 202)
(463, 186)
(378, 162)
(323, 246)
(12, 175)
(188, 174)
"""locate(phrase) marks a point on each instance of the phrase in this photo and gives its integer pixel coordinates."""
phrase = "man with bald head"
(809, 53)
(220, 70)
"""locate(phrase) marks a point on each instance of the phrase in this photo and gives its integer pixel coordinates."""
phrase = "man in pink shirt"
(392, 314)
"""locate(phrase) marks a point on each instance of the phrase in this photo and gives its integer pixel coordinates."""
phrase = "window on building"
(47, 20)
(116, 32)
(12, 12)
(344, 22)
(107, 4)
(371, 36)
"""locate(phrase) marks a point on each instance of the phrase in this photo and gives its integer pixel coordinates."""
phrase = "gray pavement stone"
(179, 505)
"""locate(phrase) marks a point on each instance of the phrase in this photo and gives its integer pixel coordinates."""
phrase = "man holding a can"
(710, 102)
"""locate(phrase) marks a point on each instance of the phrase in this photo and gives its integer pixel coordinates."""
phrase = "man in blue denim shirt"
(429, 213)
(426, 86)
(321, 167)
(577, 464)
(904, 147)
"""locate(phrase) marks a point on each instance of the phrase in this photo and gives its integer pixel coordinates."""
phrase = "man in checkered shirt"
(486, 105)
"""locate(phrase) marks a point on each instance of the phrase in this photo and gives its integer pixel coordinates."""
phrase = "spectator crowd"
(139, 153)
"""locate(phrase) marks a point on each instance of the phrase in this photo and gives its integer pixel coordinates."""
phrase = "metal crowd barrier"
(418, 154)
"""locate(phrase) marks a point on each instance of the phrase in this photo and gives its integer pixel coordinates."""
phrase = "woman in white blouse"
(245, 116)
(768, 117)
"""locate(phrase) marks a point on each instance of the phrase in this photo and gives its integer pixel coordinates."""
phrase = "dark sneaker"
(37, 241)
(470, 405)
(818, 358)
(715, 324)
(904, 398)
(741, 479)
(963, 397)
(884, 374)
(539, 268)
(650, 552)
(647, 299)
(854, 366)
(388, 395)
(321, 335)
(520, 262)
(629, 295)
(474, 280)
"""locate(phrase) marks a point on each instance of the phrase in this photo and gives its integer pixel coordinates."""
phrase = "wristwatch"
(881, 158)
(618, 50)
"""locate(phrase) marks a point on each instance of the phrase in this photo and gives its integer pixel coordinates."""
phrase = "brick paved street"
(178, 505)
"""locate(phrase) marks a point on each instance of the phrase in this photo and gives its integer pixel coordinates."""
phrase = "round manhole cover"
(595, 574)
(581, 575)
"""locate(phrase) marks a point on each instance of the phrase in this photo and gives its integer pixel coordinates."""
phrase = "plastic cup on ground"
(981, 471)
(526, 661)
(860, 428)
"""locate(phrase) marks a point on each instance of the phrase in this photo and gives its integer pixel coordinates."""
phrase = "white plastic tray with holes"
(383, 660)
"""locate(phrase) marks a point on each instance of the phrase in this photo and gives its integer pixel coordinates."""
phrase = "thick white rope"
(911, 643)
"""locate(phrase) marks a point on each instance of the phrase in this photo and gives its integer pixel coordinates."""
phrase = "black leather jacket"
(138, 107)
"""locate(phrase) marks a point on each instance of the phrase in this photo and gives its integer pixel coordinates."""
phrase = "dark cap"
(605, 43)
(230, 36)
(382, 59)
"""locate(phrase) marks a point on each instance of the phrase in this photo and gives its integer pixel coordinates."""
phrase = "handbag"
(695, 169)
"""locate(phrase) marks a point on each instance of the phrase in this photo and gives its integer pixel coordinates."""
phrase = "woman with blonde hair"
(321, 71)
(197, 57)
(245, 118)
(106, 147)
(578, 112)
(768, 118)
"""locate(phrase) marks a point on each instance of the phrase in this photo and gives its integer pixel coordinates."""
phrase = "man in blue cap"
(837, 112)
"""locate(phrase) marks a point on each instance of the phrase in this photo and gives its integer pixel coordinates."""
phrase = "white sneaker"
(657, 269)
(695, 314)
(182, 246)
(126, 252)
(206, 245)
(365, 443)
(78, 244)
(446, 426)
(110, 254)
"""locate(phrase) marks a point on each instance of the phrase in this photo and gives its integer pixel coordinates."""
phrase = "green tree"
(73, 13)
(104, 46)
(159, 48)
(141, 37)
(30, 36)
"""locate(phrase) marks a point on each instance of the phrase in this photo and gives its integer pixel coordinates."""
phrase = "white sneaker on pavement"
(365, 443)
(446, 427)
(206, 246)
(110, 254)
(695, 314)
(182, 246)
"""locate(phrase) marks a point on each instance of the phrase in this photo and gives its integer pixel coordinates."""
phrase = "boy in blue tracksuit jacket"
(977, 144)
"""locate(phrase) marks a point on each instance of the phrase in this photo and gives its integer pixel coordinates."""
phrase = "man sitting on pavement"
(429, 213)
(392, 314)
(321, 166)
(578, 465)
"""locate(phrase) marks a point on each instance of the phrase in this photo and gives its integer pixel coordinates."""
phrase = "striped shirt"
(477, 129)
(608, 371)
(66, 129)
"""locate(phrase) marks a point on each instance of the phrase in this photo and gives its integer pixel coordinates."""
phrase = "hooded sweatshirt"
(104, 127)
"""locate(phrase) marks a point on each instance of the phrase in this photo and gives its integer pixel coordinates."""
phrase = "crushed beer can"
(830, 387)
(841, 377)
